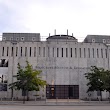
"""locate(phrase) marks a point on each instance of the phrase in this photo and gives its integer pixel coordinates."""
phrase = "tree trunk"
(23, 94)
(12, 93)
(24, 99)
(109, 96)
(101, 95)
(27, 95)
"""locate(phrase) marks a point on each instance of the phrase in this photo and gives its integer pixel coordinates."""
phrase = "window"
(34, 51)
(75, 53)
(22, 38)
(104, 41)
(84, 52)
(25, 51)
(12, 51)
(21, 51)
(7, 50)
(93, 52)
(93, 40)
(106, 53)
(71, 52)
(4, 38)
(39, 50)
(53, 52)
(30, 51)
(66, 52)
(48, 51)
(43, 51)
(80, 52)
(11, 38)
(62, 91)
(16, 51)
(57, 52)
(3, 51)
(17, 39)
(3, 63)
(33, 39)
(102, 53)
(62, 52)
(97, 53)
(108, 41)
(89, 52)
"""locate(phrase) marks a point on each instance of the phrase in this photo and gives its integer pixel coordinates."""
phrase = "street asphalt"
(56, 103)
(16, 107)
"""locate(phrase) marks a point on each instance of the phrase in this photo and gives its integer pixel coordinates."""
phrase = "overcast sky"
(80, 17)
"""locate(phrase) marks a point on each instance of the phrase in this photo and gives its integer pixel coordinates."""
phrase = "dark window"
(66, 52)
(30, 51)
(16, 51)
(102, 53)
(80, 52)
(62, 52)
(93, 52)
(21, 51)
(3, 63)
(12, 52)
(25, 51)
(84, 53)
(75, 53)
(3, 87)
(97, 53)
(106, 53)
(34, 51)
(7, 50)
(89, 52)
(57, 52)
(53, 52)
(3, 51)
(71, 52)
(70, 91)
(62, 91)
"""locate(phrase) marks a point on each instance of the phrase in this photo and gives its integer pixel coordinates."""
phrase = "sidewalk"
(57, 102)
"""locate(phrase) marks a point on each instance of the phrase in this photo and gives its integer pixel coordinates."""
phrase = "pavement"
(17, 107)
(57, 102)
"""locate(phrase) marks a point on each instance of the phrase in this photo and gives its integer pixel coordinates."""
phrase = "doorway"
(62, 91)
(70, 92)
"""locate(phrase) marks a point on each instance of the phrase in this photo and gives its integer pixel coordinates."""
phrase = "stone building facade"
(62, 59)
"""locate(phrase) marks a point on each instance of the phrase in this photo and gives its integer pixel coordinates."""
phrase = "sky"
(80, 17)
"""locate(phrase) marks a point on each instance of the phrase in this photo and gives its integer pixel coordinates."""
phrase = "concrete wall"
(56, 70)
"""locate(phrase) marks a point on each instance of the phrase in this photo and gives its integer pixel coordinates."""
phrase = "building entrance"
(52, 92)
(62, 91)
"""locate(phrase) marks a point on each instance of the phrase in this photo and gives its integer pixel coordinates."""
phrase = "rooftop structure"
(62, 37)
(21, 37)
(97, 39)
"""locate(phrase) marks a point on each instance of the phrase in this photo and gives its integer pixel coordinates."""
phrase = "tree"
(107, 82)
(27, 80)
(96, 80)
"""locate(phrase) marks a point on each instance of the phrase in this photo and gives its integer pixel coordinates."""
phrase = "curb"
(55, 104)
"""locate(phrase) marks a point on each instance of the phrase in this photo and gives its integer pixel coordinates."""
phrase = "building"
(62, 59)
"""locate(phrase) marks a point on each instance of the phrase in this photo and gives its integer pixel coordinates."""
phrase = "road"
(14, 107)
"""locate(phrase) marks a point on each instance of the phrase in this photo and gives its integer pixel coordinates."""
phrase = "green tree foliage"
(96, 80)
(28, 79)
(95, 77)
(106, 80)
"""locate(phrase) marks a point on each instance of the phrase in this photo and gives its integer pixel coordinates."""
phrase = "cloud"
(81, 17)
